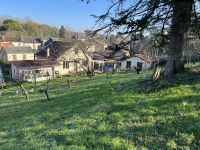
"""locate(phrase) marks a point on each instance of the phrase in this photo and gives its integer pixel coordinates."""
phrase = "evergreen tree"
(136, 15)
(62, 32)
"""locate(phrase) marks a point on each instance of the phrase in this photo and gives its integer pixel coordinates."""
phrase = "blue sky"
(70, 13)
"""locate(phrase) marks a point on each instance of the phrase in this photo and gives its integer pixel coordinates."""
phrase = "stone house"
(13, 53)
(72, 56)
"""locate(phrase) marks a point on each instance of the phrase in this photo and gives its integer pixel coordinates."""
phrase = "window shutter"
(63, 64)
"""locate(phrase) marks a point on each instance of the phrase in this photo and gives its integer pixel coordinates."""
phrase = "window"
(65, 65)
(76, 51)
(14, 57)
(24, 57)
(100, 67)
(38, 73)
(96, 66)
(75, 66)
(128, 65)
(139, 65)
(84, 63)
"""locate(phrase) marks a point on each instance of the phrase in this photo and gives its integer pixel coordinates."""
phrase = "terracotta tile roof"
(57, 48)
(143, 57)
(35, 63)
(105, 53)
(5, 44)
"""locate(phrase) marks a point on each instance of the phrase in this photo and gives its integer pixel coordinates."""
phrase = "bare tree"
(87, 66)
(2, 83)
(24, 90)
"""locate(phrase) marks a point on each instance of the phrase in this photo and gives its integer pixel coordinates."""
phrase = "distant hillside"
(26, 27)
(13, 27)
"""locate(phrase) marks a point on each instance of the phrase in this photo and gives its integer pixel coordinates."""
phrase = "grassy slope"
(104, 113)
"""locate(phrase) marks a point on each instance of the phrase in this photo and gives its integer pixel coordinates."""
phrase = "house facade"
(72, 57)
(103, 61)
(100, 66)
(12, 53)
(72, 61)
(29, 70)
(135, 61)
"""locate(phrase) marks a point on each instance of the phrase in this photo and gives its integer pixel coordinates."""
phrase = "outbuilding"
(138, 60)
(29, 70)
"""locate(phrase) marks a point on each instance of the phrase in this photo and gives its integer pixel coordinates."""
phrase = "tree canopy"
(11, 25)
(62, 32)
(132, 17)
(136, 15)
(14, 27)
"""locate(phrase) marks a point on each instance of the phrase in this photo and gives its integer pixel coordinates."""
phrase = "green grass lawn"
(104, 113)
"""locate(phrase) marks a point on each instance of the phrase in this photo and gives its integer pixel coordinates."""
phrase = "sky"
(73, 14)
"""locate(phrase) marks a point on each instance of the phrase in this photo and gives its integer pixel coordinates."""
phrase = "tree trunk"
(24, 90)
(181, 20)
(35, 83)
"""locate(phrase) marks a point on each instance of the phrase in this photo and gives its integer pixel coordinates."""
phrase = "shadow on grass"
(187, 78)
(98, 118)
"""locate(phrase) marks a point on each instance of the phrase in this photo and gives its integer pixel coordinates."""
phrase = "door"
(139, 65)
(128, 65)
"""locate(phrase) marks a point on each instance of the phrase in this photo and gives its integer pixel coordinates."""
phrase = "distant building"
(29, 41)
(72, 56)
(120, 55)
(100, 66)
(13, 53)
(135, 61)
(102, 60)
(28, 70)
